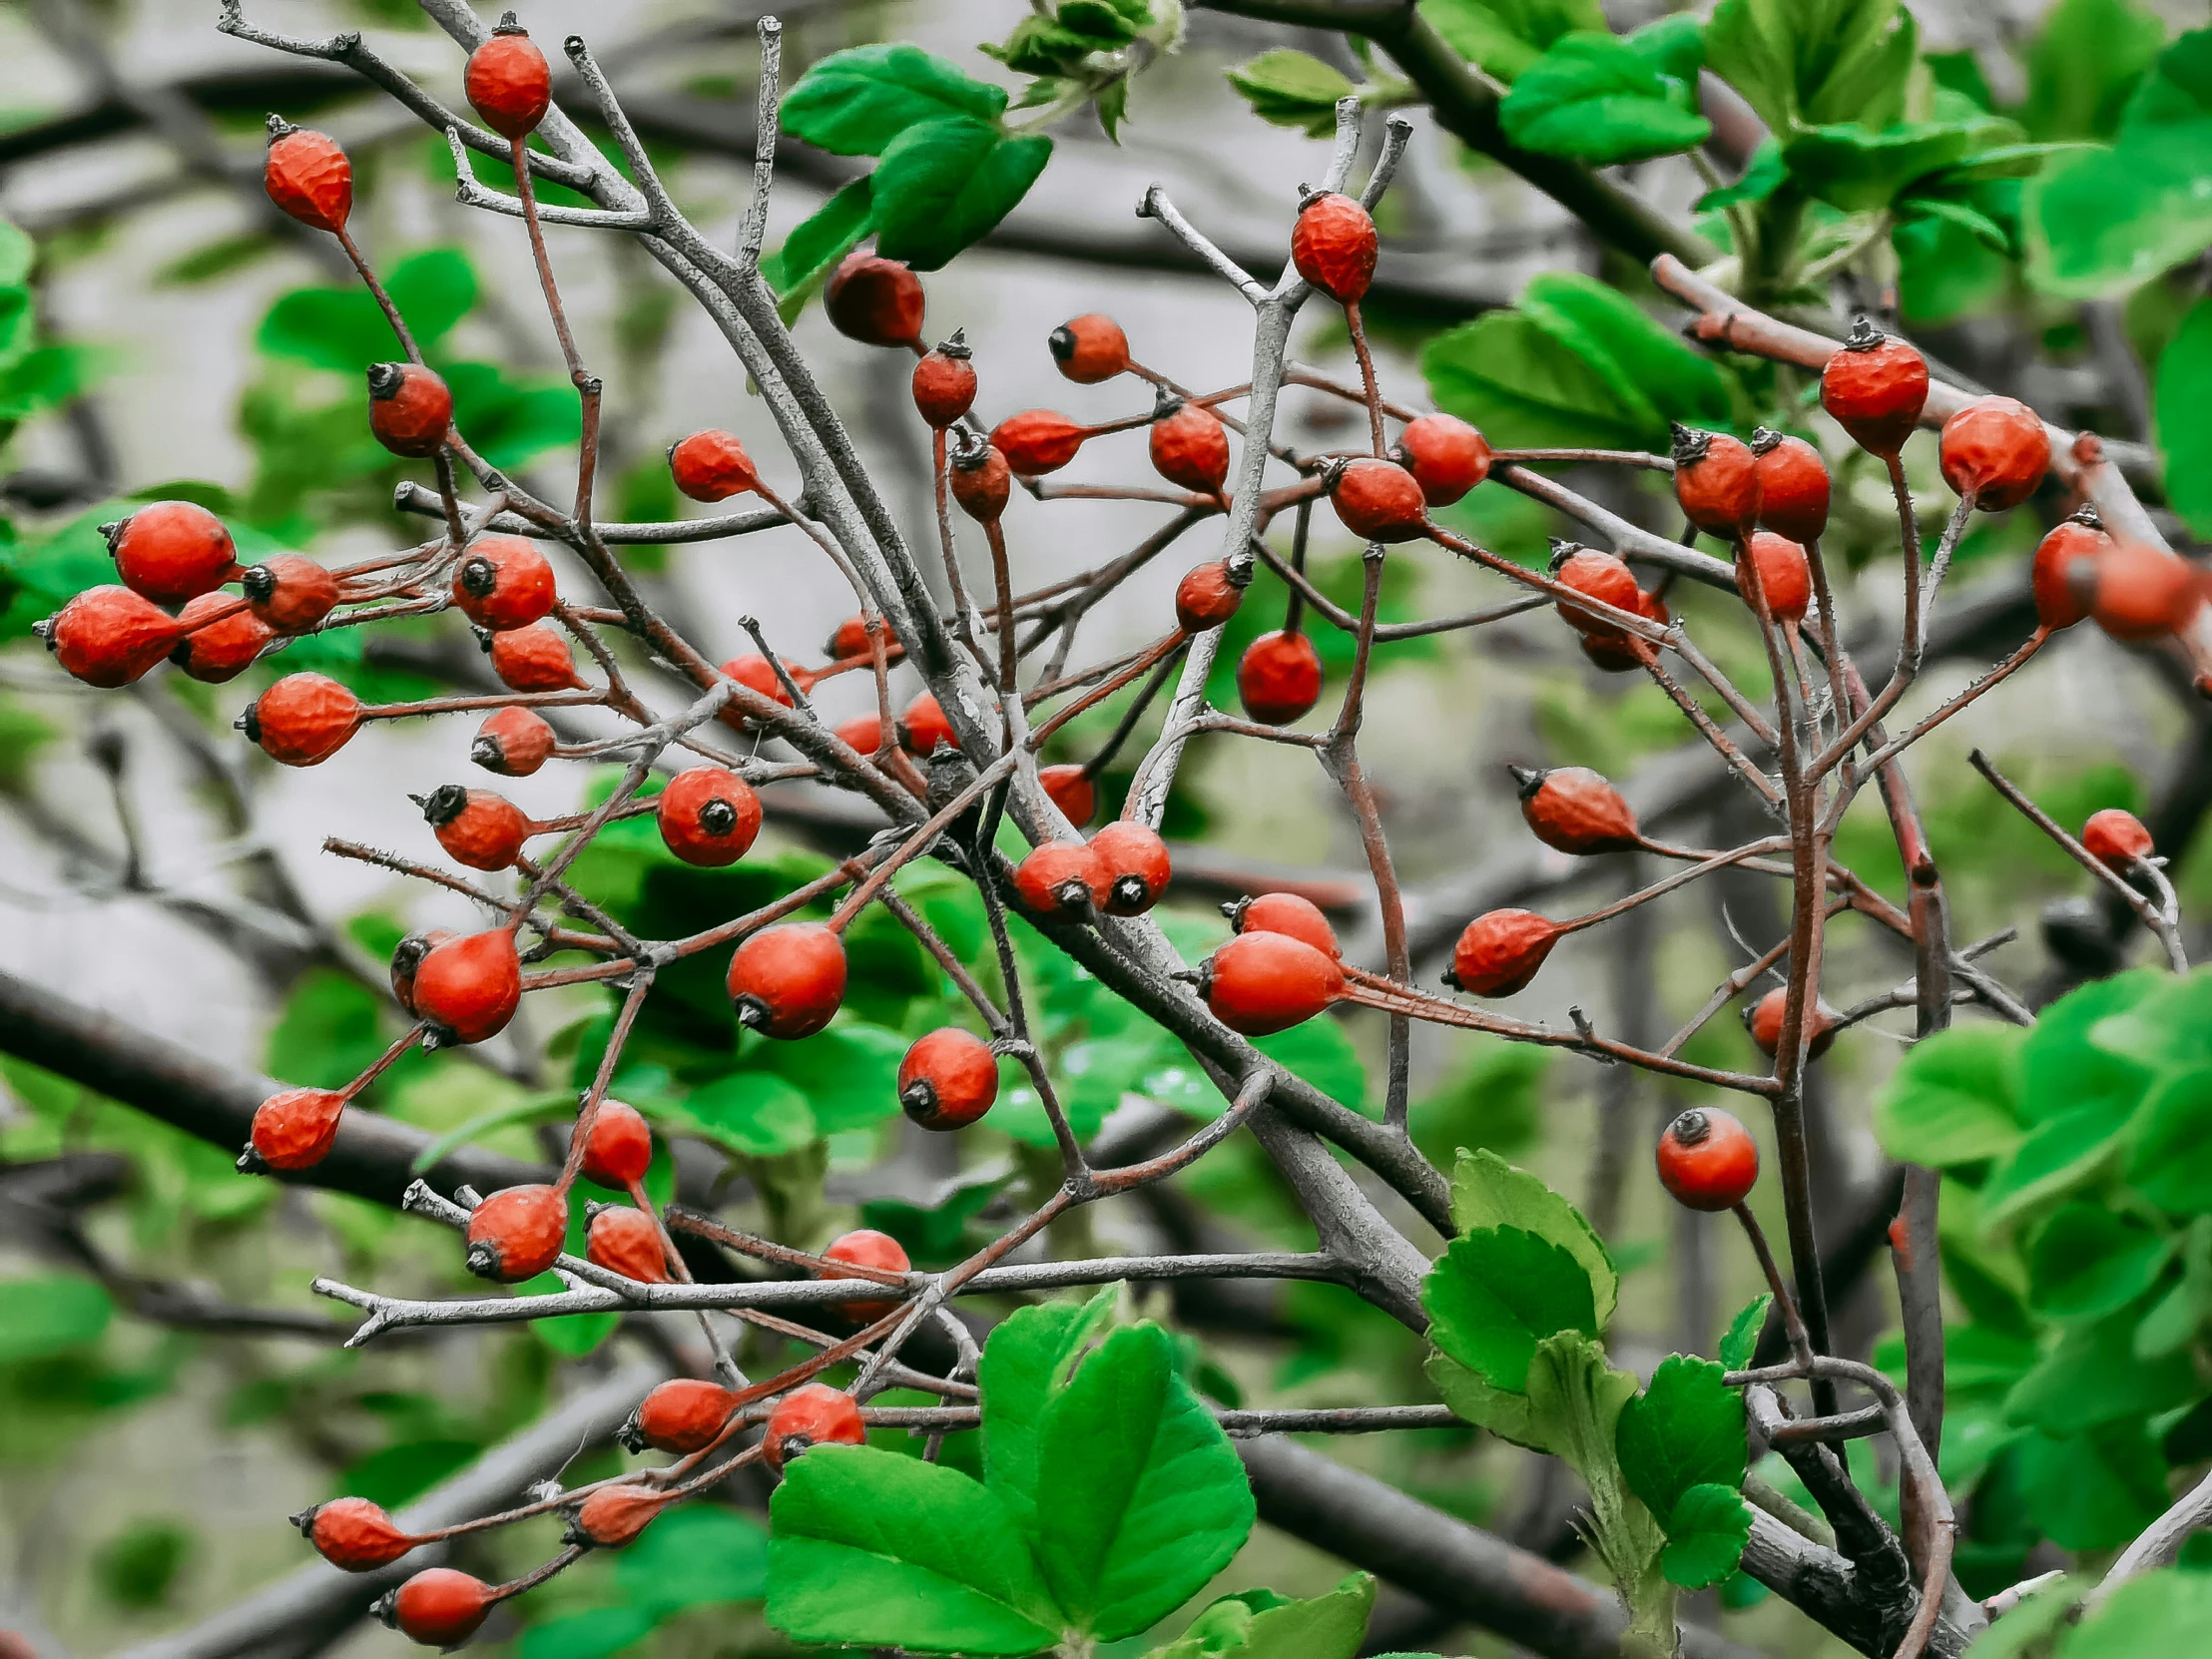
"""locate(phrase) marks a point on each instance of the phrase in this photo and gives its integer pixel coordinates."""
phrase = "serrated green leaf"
(1593, 98)
(2053, 1159)
(1027, 1360)
(860, 101)
(1808, 63)
(2170, 1144)
(1953, 1099)
(1503, 1411)
(1861, 171)
(1705, 1535)
(1741, 1340)
(1486, 1191)
(944, 185)
(1576, 1400)
(1686, 1430)
(1499, 1291)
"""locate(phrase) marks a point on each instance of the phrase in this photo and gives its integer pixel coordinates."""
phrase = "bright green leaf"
(1503, 37)
(2088, 1261)
(820, 242)
(1486, 1191)
(944, 185)
(857, 102)
(1808, 63)
(2094, 1376)
(587, 1635)
(344, 329)
(2164, 1612)
(1705, 1535)
(1686, 1430)
(2096, 1490)
(2170, 1160)
(1287, 88)
(695, 1555)
(2184, 425)
(752, 1111)
(1503, 1411)
(1499, 1291)
(1028, 1360)
(1741, 1340)
(1593, 98)
(2087, 57)
(1952, 1099)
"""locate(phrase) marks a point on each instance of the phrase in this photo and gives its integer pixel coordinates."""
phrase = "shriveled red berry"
(1288, 913)
(1716, 482)
(1074, 793)
(1090, 348)
(1377, 501)
(862, 733)
(708, 817)
(850, 639)
(2140, 593)
(1997, 448)
(1445, 455)
(410, 409)
(2117, 838)
(712, 466)
(1279, 677)
(948, 1080)
(213, 652)
(172, 551)
(611, 1517)
(875, 300)
(1500, 952)
(1792, 485)
(625, 1240)
(406, 958)
(945, 383)
(787, 982)
(815, 1415)
(1206, 597)
(1063, 878)
(533, 659)
(109, 636)
(619, 1149)
(1262, 982)
(481, 829)
(1333, 246)
(513, 741)
(508, 81)
(923, 728)
(1190, 448)
(469, 987)
(1038, 442)
(353, 1534)
(680, 1416)
(306, 174)
(1576, 810)
(1875, 387)
(303, 720)
(1785, 575)
(981, 480)
(518, 1233)
(438, 1607)
(2065, 570)
(864, 1247)
(504, 582)
(1763, 1019)
(1599, 576)
(1137, 866)
(1708, 1159)
(292, 1129)
(289, 593)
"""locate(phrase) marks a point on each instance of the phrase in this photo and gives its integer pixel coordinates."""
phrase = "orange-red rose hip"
(109, 636)
(1090, 348)
(1261, 982)
(1445, 455)
(513, 741)
(1716, 482)
(1875, 387)
(508, 81)
(353, 1534)
(410, 409)
(625, 1240)
(469, 987)
(948, 1080)
(787, 982)
(815, 1415)
(1997, 449)
(172, 551)
(1793, 485)
(1137, 866)
(680, 1416)
(303, 720)
(619, 1149)
(712, 466)
(307, 175)
(1500, 951)
(875, 300)
(2117, 837)
(518, 1233)
(292, 1129)
(1576, 810)
(1334, 247)
(1708, 1160)
(708, 817)
(1063, 878)
(1279, 677)
(438, 1607)
(1377, 501)
(1284, 912)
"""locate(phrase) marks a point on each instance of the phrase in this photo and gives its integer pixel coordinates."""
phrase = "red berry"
(410, 411)
(1288, 913)
(1716, 482)
(533, 659)
(223, 649)
(2117, 837)
(611, 1517)
(620, 1147)
(2065, 571)
(787, 982)
(1206, 597)
(948, 1080)
(292, 1129)
(1792, 485)
(482, 830)
(708, 817)
(1190, 448)
(1616, 652)
(109, 636)
(508, 81)
(1063, 878)
(982, 481)
(1785, 575)
(518, 1233)
(1500, 952)
(1137, 866)
(923, 728)
(1708, 1159)
(291, 594)
(2141, 593)
(1763, 1019)
(1075, 794)
(1998, 448)
(712, 466)
(680, 1416)
(504, 582)
(513, 741)
(469, 987)
(303, 720)
(756, 673)
(1262, 982)
(172, 551)
(866, 1247)
(850, 639)
(1377, 501)
(815, 1415)
(1600, 576)
(308, 174)
(438, 1607)
(625, 1240)
(1333, 246)
(1875, 387)
(1090, 348)
(1576, 810)
(406, 957)
(353, 1534)
(1279, 677)
(1445, 455)
(875, 300)
(862, 733)
(945, 383)
(1037, 441)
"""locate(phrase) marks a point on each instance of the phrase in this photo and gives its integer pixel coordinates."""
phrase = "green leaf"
(2177, 1316)
(2164, 1612)
(756, 1113)
(2022, 1630)
(2052, 1159)
(535, 1109)
(512, 421)
(2088, 1261)
(402, 1473)
(938, 1237)
(1686, 1430)
(42, 1317)
(1605, 324)
(1952, 1099)
(1028, 1360)
(1857, 171)
(1486, 1191)
(848, 1074)
(2096, 1490)
(819, 242)
(572, 1335)
(1287, 88)
(944, 185)
(2062, 1066)
(695, 1555)
(857, 102)
(1150, 1498)
(1574, 1406)
(344, 329)
(17, 255)
(870, 1549)
(1503, 37)
(586, 1635)
(1320, 1052)
(1705, 1535)
(1741, 1340)
(1810, 63)
(1499, 1291)
(2089, 57)
(2094, 1376)
(2184, 427)
(1326, 1627)
(330, 1032)
(1593, 98)
(1505, 1413)
(2170, 1160)
(2170, 1030)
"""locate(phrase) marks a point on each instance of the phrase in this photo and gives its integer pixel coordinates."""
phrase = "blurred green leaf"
(859, 100)
(1503, 37)
(401, 1473)
(1289, 88)
(344, 329)
(1595, 97)
(40, 1317)
(946, 183)
(696, 1555)
(589, 1634)
(1809, 63)
(331, 1029)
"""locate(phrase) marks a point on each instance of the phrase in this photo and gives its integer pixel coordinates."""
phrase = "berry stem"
(383, 299)
(1372, 397)
(1144, 700)
(1793, 1325)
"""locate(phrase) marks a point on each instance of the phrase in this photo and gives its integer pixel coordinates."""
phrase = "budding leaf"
(1499, 1291)
(1287, 88)
(857, 102)
(1805, 63)
(1741, 1340)
(1705, 1535)
(1686, 1430)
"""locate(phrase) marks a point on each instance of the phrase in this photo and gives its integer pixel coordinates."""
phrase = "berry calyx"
(1500, 951)
(620, 1148)
(438, 1607)
(1785, 575)
(1038, 442)
(353, 1534)
(406, 958)
(518, 1233)
(1793, 485)
(680, 1416)
(982, 481)
(1716, 482)
(532, 659)
(787, 982)
(923, 728)
(611, 1517)
(945, 383)
(1279, 677)
(2065, 571)
(2140, 593)
(291, 594)
(1063, 878)
(109, 636)
(508, 81)
(1190, 448)
(1875, 388)
(875, 300)
(513, 741)
(1334, 247)
(1288, 913)
(864, 1247)
(1997, 449)
(410, 410)
(1763, 1019)
(1600, 576)
(948, 1080)
(1576, 810)
(292, 1129)
(1708, 1159)
(708, 817)
(1090, 348)
(625, 1240)
(815, 1415)
(1377, 500)
(1262, 982)
(1137, 866)
(214, 651)
(712, 466)
(1071, 791)
(172, 551)
(1206, 597)
(504, 582)
(307, 175)
(1445, 455)
(303, 720)
(469, 987)
(481, 829)
(2117, 838)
